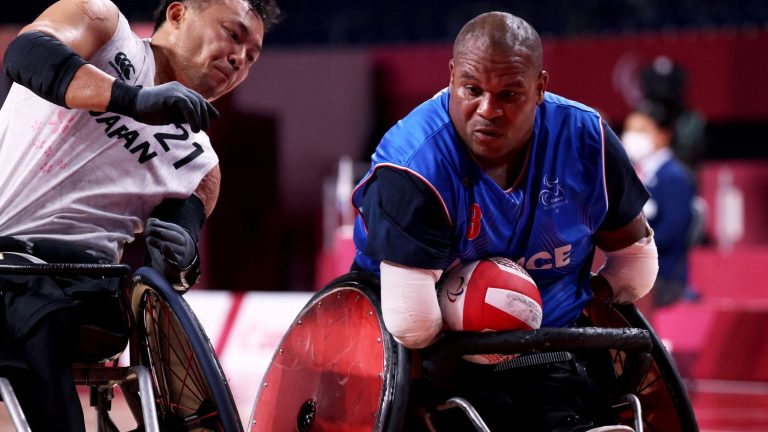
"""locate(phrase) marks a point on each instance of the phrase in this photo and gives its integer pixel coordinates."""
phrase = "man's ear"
(175, 13)
(541, 86)
(450, 71)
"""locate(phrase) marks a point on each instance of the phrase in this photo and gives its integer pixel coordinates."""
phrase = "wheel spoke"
(163, 356)
(177, 361)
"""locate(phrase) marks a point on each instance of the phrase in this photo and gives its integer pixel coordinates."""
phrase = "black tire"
(666, 406)
(190, 387)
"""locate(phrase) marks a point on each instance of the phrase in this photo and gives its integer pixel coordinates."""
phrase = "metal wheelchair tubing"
(637, 410)
(469, 410)
(62, 269)
(547, 339)
(13, 407)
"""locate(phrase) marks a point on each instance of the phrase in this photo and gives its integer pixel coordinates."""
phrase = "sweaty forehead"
(485, 59)
(239, 9)
(237, 13)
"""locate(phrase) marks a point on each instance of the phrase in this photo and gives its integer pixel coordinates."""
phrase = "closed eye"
(233, 34)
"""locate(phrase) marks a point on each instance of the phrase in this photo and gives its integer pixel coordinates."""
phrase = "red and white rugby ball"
(494, 294)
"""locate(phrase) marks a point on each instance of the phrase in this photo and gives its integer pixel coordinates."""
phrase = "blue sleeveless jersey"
(545, 222)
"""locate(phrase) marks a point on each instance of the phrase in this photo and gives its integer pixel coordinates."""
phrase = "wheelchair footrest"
(534, 359)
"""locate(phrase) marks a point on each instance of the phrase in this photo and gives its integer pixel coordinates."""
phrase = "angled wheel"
(336, 368)
(190, 388)
(663, 397)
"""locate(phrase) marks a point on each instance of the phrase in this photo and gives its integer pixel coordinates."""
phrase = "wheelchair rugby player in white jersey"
(102, 137)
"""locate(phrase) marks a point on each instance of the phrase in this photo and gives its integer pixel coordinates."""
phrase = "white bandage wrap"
(631, 271)
(409, 304)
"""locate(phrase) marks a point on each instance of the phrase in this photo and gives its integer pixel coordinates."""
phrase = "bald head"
(499, 32)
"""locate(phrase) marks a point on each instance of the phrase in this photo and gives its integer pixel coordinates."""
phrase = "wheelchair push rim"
(336, 368)
(190, 388)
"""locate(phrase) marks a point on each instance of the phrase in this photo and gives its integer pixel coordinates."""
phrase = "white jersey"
(89, 178)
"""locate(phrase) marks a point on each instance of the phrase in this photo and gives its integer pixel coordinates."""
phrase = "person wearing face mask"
(647, 139)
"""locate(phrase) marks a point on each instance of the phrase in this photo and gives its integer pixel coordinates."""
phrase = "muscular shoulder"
(84, 25)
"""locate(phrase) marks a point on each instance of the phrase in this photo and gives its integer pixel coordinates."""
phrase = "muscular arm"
(625, 236)
(609, 241)
(173, 230)
(631, 258)
(49, 57)
(85, 26)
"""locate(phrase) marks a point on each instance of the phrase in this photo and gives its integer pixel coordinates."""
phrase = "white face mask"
(638, 145)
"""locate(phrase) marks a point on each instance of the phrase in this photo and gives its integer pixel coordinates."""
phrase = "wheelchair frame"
(639, 360)
(149, 373)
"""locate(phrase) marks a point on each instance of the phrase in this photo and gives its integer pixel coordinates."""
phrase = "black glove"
(172, 252)
(161, 105)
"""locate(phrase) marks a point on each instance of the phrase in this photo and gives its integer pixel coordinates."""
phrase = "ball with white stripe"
(494, 294)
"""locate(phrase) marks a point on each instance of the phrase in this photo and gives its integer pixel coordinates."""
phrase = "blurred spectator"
(664, 82)
(670, 211)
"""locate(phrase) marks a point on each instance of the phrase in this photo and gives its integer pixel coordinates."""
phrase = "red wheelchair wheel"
(335, 369)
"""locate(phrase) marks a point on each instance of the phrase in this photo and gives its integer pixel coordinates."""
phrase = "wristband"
(123, 99)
